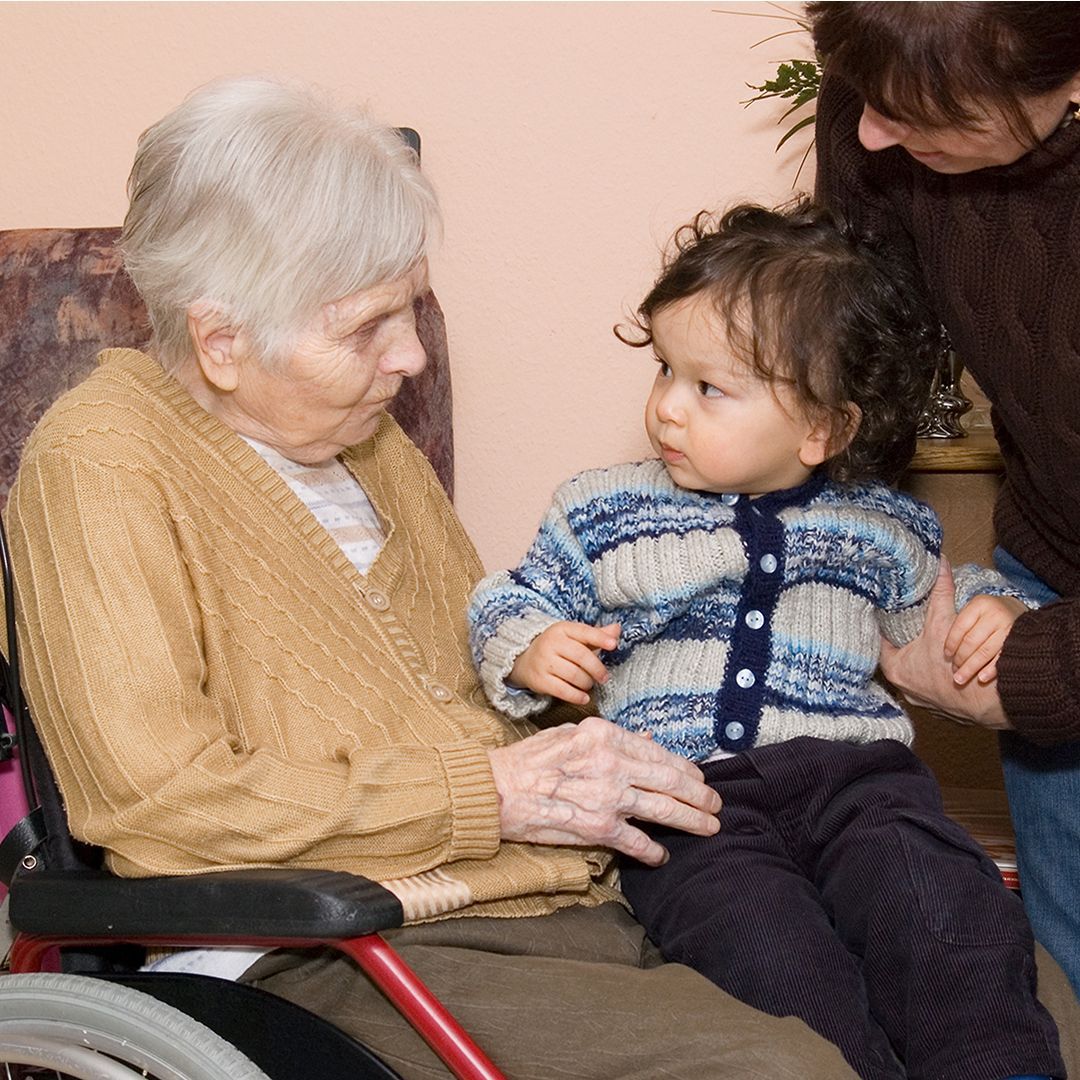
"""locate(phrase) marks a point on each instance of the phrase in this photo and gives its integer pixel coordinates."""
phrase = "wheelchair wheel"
(86, 1029)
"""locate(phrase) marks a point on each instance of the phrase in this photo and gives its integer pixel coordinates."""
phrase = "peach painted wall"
(567, 141)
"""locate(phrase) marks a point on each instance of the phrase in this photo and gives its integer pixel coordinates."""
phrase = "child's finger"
(569, 670)
(988, 673)
(976, 638)
(555, 686)
(587, 661)
(594, 637)
(962, 625)
(976, 659)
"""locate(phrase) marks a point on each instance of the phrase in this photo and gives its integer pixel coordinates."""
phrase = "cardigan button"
(734, 731)
(729, 498)
(439, 692)
(755, 620)
(768, 563)
(379, 601)
(745, 678)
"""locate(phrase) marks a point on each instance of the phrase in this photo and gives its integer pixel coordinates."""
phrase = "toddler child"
(727, 600)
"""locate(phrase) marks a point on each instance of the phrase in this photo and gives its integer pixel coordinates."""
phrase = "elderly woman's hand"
(579, 783)
(923, 673)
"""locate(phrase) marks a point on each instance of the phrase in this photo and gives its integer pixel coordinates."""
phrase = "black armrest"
(270, 903)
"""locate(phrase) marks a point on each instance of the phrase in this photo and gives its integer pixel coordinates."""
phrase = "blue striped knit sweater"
(744, 622)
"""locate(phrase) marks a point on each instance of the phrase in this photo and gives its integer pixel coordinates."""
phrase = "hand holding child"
(976, 636)
(564, 661)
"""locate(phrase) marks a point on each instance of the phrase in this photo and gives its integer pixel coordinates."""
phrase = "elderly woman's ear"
(217, 344)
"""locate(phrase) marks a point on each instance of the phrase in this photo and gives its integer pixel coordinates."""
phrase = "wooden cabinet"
(960, 479)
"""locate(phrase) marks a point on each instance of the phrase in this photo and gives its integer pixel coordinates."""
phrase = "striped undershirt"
(335, 499)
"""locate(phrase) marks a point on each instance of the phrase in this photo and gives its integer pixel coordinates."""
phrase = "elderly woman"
(952, 128)
(242, 598)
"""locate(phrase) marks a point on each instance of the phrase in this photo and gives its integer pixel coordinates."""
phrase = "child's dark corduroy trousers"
(838, 891)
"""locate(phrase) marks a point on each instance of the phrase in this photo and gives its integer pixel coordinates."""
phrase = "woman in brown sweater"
(242, 602)
(952, 128)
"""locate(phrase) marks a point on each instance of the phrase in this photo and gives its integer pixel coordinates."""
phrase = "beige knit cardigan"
(218, 687)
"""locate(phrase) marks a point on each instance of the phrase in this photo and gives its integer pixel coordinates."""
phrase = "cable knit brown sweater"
(218, 687)
(999, 250)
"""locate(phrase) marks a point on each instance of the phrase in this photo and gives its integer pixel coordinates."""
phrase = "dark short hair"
(936, 64)
(808, 303)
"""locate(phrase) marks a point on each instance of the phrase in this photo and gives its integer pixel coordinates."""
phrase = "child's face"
(715, 424)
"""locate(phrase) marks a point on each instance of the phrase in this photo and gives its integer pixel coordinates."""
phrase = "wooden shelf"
(974, 453)
(985, 814)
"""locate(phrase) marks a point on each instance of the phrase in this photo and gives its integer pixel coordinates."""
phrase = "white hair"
(266, 200)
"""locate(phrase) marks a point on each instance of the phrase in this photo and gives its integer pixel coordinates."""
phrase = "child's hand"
(563, 662)
(976, 636)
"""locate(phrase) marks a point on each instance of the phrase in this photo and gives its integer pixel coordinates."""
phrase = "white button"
(734, 731)
(745, 678)
(768, 563)
(439, 692)
(379, 601)
(729, 499)
(755, 620)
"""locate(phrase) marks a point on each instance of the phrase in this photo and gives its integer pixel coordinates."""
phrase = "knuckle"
(633, 842)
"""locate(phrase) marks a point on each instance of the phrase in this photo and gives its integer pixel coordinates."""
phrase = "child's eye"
(709, 391)
(665, 370)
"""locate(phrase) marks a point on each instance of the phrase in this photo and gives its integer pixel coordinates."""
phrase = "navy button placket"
(738, 703)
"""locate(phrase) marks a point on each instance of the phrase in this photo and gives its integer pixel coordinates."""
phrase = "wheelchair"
(98, 1017)
(121, 1023)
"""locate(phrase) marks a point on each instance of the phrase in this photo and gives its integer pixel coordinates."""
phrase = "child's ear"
(830, 436)
(217, 345)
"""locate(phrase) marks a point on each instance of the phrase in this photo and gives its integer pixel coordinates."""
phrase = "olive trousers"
(578, 995)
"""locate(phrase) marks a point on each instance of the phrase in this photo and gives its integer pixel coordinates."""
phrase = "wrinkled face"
(981, 145)
(344, 370)
(715, 424)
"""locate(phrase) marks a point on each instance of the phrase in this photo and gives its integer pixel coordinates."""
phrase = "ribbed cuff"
(475, 826)
(972, 580)
(902, 627)
(500, 653)
(1039, 674)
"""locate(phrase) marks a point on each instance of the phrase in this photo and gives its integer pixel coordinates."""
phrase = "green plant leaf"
(806, 121)
(796, 81)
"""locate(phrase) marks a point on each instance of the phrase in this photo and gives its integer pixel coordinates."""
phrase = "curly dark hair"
(809, 303)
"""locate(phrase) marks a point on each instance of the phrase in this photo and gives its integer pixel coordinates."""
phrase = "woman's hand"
(579, 783)
(923, 672)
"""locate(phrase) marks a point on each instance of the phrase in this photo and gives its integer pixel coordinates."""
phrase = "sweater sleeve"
(1039, 673)
(910, 549)
(510, 609)
(972, 580)
(151, 756)
(905, 548)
